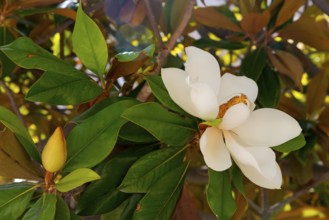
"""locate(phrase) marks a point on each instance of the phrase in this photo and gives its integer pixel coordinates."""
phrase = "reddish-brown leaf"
(66, 12)
(287, 64)
(324, 121)
(252, 23)
(288, 10)
(308, 31)
(211, 18)
(316, 92)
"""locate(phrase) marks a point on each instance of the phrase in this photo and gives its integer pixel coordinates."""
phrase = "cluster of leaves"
(143, 151)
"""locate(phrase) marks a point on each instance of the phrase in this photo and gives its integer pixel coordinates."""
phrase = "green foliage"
(75, 179)
(14, 199)
(91, 48)
(43, 209)
(292, 145)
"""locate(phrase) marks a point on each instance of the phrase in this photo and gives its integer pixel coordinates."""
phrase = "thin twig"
(153, 24)
(12, 101)
(181, 27)
(279, 205)
(265, 208)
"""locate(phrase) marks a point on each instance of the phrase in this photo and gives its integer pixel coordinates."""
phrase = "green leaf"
(14, 198)
(213, 123)
(43, 209)
(62, 210)
(224, 44)
(126, 210)
(76, 178)
(57, 88)
(160, 200)
(162, 124)
(268, 88)
(89, 43)
(104, 193)
(93, 140)
(134, 133)
(11, 121)
(130, 56)
(253, 63)
(160, 92)
(292, 145)
(98, 107)
(219, 194)
(60, 79)
(149, 168)
(6, 65)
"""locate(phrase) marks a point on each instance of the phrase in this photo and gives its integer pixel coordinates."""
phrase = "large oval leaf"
(148, 169)
(43, 209)
(14, 199)
(89, 43)
(162, 124)
(93, 140)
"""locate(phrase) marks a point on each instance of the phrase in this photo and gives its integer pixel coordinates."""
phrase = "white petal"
(257, 163)
(204, 100)
(202, 67)
(235, 116)
(232, 85)
(175, 80)
(268, 127)
(214, 150)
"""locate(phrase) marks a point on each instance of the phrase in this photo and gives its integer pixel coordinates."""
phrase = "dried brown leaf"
(288, 10)
(211, 18)
(287, 64)
(252, 23)
(308, 31)
(316, 92)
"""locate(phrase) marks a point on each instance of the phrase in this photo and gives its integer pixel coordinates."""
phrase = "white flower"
(243, 134)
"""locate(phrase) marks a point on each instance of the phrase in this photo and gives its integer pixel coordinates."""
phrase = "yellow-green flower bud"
(54, 153)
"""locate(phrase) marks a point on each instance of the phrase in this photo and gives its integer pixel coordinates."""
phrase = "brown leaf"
(22, 4)
(308, 31)
(287, 64)
(291, 107)
(119, 68)
(241, 204)
(211, 18)
(252, 23)
(288, 10)
(324, 121)
(247, 6)
(316, 92)
(186, 208)
(133, 13)
(66, 12)
(14, 161)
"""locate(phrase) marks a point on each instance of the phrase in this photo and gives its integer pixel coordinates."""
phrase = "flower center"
(233, 101)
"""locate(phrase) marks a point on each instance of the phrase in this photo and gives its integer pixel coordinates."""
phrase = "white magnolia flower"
(243, 134)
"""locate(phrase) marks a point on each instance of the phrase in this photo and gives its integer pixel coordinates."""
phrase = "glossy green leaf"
(292, 145)
(62, 210)
(167, 127)
(104, 193)
(126, 210)
(76, 178)
(160, 200)
(61, 84)
(98, 107)
(89, 43)
(11, 121)
(6, 65)
(130, 56)
(93, 140)
(43, 209)
(219, 195)
(160, 92)
(134, 133)
(253, 63)
(14, 199)
(57, 88)
(268, 88)
(224, 44)
(149, 168)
